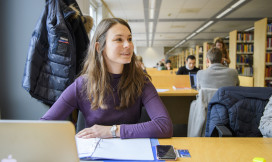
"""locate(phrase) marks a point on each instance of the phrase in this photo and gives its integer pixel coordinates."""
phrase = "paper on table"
(116, 149)
(85, 147)
(162, 90)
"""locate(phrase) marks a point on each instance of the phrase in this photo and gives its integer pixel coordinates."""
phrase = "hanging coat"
(57, 49)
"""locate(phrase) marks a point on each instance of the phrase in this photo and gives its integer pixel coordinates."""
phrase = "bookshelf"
(263, 50)
(241, 48)
(206, 47)
(174, 61)
(182, 60)
(199, 56)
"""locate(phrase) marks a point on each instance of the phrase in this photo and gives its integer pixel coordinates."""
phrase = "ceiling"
(175, 20)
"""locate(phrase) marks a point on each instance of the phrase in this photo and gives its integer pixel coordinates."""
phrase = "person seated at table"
(139, 62)
(168, 65)
(216, 75)
(112, 89)
(161, 66)
(189, 67)
(266, 120)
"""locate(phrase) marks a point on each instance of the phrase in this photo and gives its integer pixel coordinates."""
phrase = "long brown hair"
(224, 49)
(97, 84)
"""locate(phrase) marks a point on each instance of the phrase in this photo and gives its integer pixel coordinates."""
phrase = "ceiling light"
(151, 13)
(180, 43)
(151, 9)
(150, 27)
(203, 27)
(191, 36)
(224, 13)
(249, 29)
(237, 4)
(229, 9)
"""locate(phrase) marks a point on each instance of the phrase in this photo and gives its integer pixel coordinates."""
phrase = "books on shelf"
(268, 71)
(114, 149)
(245, 48)
(268, 83)
(268, 57)
(269, 42)
(245, 71)
(244, 59)
(269, 28)
(245, 37)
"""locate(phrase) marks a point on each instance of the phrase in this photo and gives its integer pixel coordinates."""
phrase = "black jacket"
(184, 71)
(238, 108)
(57, 48)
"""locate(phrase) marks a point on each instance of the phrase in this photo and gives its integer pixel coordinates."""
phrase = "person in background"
(266, 120)
(161, 66)
(168, 65)
(219, 43)
(112, 89)
(216, 75)
(189, 67)
(139, 62)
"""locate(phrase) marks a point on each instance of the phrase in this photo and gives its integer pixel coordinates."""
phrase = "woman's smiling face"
(119, 47)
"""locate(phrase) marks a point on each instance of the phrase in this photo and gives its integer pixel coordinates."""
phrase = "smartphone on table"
(165, 152)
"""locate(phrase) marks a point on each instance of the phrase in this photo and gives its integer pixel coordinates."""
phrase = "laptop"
(193, 80)
(37, 141)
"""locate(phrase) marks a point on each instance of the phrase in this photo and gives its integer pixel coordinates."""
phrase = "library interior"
(209, 64)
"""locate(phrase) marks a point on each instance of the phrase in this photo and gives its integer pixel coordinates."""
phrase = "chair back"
(239, 109)
(198, 112)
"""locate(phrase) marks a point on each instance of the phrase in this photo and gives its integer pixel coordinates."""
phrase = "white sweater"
(266, 120)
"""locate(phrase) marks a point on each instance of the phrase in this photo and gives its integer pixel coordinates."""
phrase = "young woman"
(219, 43)
(111, 90)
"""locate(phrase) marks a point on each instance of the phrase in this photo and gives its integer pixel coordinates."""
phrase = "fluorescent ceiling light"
(231, 8)
(249, 29)
(151, 13)
(180, 43)
(203, 27)
(191, 36)
(224, 13)
(150, 27)
(237, 4)
(151, 9)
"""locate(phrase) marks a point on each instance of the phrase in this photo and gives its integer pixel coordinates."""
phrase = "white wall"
(84, 6)
(151, 55)
(20, 20)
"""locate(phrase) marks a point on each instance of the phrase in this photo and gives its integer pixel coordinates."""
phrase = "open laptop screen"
(193, 79)
(34, 140)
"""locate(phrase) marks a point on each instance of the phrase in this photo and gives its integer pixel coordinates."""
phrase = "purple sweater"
(72, 98)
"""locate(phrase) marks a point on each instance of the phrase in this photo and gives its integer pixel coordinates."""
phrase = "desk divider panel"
(246, 81)
(166, 81)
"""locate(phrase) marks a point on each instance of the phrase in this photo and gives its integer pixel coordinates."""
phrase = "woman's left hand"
(96, 131)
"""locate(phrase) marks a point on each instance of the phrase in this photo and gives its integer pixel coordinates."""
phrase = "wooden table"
(177, 102)
(179, 92)
(215, 149)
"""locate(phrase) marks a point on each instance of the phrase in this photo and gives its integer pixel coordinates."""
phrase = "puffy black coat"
(57, 49)
(238, 108)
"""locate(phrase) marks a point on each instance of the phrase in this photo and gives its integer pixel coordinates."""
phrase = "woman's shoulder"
(79, 81)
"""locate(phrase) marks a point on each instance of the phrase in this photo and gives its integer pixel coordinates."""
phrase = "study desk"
(179, 92)
(215, 149)
(178, 103)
